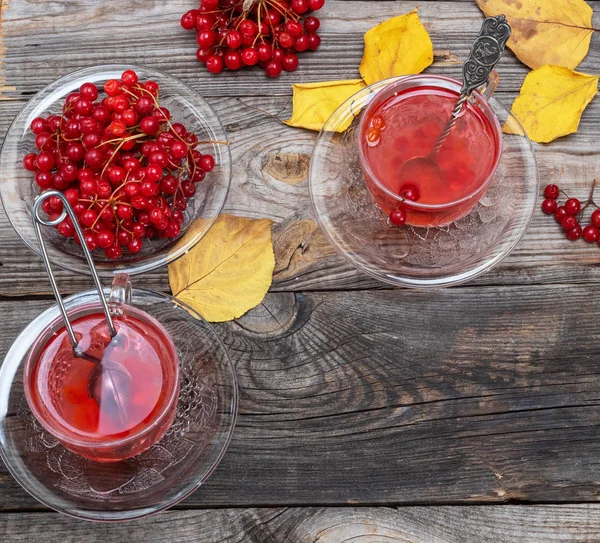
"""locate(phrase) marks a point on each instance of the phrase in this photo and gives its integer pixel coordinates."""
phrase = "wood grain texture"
(507, 524)
(472, 395)
(44, 39)
(51, 38)
(484, 395)
(543, 256)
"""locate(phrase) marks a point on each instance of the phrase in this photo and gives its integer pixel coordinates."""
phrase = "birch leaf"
(551, 102)
(229, 271)
(554, 32)
(313, 103)
(398, 46)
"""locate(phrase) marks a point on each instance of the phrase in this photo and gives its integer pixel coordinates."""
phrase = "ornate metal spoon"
(485, 54)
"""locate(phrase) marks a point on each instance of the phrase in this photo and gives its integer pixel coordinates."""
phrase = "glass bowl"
(149, 482)
(18, 188)
(412, 256)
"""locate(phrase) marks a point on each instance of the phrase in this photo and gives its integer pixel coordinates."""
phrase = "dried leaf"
(314, 103)
(229, 271)
(551, 102)
(398, 46)
(554, 32)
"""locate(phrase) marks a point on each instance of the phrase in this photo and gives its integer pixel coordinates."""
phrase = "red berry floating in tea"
(234, 34)
(118, 158)
(398, 217)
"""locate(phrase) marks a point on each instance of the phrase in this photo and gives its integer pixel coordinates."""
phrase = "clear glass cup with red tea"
(403, 122)
(118, 399)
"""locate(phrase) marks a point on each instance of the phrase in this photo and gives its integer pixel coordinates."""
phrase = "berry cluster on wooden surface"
(571, 214)
(234, 34)
(126, 169)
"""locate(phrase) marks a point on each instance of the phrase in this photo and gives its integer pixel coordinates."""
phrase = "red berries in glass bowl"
(234, 34)
(140, 157)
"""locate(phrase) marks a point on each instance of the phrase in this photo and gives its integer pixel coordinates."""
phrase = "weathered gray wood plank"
(53, 32)
(305, 258)
(482, 395)
(44, 40)
(507, 524)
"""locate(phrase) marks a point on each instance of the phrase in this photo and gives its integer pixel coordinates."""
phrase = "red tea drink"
(402, 125)
(116, 401)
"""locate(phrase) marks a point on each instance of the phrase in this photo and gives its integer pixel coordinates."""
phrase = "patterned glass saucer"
(415, 256)
(152, 481)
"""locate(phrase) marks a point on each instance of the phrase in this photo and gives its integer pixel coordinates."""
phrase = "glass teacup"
(403, 122)
(116, 396)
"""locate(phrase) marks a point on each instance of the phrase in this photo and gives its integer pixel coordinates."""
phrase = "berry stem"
(117, 149)
(591, 198)
(122, 140)
(283, 11)
(589, 201)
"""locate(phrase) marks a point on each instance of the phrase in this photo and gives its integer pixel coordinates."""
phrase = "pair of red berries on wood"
(269, 33)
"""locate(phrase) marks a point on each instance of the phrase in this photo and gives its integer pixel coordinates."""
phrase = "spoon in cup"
(108, 381)
(485, 53)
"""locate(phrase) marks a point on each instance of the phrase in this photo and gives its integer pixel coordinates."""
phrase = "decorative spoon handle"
(485, 54)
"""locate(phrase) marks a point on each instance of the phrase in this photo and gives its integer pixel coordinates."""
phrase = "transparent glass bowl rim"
(59, 431)
(19, 352)
(69, 83)
(442, 82)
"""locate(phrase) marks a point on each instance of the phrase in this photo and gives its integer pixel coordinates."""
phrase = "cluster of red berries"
(125, 168)
(267, 33)
(570, 214)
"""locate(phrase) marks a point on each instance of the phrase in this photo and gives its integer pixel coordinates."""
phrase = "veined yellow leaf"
(229, 271)
(313, 103)
(552, 100)
(398, 46)
(554, 32)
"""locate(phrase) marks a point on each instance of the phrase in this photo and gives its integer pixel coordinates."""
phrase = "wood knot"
(273, 316)
(299, 245)
(290, 168)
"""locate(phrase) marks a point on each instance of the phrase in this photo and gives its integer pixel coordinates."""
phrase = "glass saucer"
(18, 188)
(415, 256)
(152, 481)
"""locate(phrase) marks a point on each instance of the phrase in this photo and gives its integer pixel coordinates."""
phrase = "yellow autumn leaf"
(554, 32)
(551, 102)
(229, 271)
(398, 46)
(313, 103)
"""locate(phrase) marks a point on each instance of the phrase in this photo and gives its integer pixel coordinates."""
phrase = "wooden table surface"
(367, 414)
